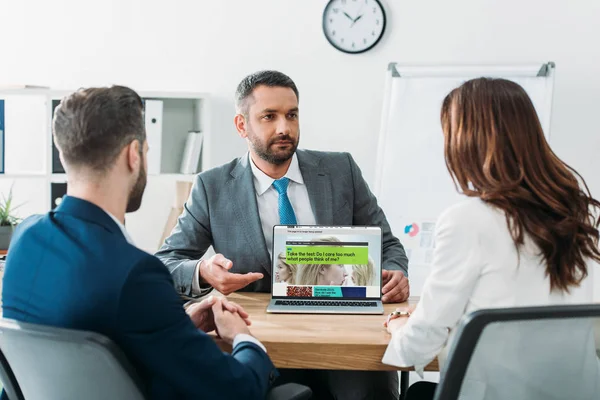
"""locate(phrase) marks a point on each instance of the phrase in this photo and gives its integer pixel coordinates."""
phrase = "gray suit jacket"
(222, 211)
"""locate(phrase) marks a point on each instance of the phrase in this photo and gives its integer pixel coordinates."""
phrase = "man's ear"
(134, 160)
(240, 125)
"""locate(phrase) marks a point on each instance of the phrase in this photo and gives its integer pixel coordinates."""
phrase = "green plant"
(7, 217)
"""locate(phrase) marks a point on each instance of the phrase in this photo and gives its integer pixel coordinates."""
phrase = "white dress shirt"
(239, 338)
(476, 266)
(268, 199)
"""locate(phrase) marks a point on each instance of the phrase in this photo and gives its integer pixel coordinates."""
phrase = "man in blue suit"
(77, 268)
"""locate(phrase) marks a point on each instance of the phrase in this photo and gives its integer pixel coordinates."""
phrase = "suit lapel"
(318, 186)
(243, 197)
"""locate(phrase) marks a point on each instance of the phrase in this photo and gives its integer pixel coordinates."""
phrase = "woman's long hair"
(495, 149)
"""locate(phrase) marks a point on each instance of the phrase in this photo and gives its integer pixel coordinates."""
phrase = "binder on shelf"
(58, 190)
(153, 118)
(1, 136)
(57, 167)
(191, 153)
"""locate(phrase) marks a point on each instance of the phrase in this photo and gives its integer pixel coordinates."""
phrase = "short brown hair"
(91, 126)
(495, 149)
(261, 78)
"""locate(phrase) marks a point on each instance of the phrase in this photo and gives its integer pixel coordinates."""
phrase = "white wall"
(208, 46)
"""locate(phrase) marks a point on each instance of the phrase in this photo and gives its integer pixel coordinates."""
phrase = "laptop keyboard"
(325, 303)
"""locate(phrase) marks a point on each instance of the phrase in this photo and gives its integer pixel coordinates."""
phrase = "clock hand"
(349, 17)
(354, 21)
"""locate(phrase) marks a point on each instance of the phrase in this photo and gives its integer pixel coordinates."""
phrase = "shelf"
(181, 112)
(22, 176)
(182, 177)
(175, 177)
(58, 178)
(173, 95)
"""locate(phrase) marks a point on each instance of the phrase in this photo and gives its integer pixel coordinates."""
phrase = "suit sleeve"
(368, 212)
(188, 241)
(158, 336)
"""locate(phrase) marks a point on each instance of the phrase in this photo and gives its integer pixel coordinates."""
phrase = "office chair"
(529, 352)
(58, 363)
(10, 385)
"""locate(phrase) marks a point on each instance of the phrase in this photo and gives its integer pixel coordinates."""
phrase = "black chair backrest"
(9, 382)
(57, 363)
(494, 348)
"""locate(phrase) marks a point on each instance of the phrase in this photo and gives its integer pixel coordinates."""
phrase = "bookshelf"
(33, 169)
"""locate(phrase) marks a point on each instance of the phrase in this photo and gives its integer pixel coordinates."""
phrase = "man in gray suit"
(234, 207)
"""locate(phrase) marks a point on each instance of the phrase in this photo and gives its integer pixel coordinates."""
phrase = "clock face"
(353, 26)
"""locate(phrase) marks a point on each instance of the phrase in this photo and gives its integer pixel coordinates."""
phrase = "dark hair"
(495, 149)
(91, 126)
(266, 78)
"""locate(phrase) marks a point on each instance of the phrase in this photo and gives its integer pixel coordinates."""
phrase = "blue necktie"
(286, 212)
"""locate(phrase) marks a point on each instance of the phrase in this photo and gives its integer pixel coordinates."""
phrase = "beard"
(137, 192)
(275, 156)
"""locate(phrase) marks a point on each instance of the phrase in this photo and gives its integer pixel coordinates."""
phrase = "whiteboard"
(412, 183)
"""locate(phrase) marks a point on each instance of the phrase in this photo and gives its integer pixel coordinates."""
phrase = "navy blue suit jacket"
(73, 268)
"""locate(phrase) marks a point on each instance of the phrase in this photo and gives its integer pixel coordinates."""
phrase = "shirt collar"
(262, 181)
(122, 228)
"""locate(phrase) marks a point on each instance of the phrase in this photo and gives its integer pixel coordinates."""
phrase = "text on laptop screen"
(333, 262)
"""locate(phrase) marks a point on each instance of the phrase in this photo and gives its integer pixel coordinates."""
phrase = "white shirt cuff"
(396, 356)
(196, 289)
(243, 337)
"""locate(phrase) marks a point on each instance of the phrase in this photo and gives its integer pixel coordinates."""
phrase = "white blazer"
(476, 265)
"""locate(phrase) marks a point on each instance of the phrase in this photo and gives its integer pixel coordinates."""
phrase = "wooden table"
(311, 341)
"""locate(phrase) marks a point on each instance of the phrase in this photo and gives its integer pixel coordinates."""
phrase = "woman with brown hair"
(527, 235)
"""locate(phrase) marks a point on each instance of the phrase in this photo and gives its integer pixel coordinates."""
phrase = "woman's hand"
(398, 318)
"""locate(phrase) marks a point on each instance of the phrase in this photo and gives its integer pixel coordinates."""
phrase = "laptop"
(326, 270)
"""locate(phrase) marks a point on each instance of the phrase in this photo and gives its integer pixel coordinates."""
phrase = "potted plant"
(8, 220)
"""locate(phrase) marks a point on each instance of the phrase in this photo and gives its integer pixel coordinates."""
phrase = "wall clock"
(354, 26)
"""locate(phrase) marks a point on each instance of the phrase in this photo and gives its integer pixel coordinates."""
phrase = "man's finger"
(403, 282)
(220, 260)
(206, 303)
(228, 305)
(392, 283)
(405, 293)
(240, 310)
(217, 308)
(200, 307)
(385, 274)
(233, 282)
(390, 297)
(241, 280)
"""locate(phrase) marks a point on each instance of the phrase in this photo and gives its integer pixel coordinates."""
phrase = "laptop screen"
(326, 262)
